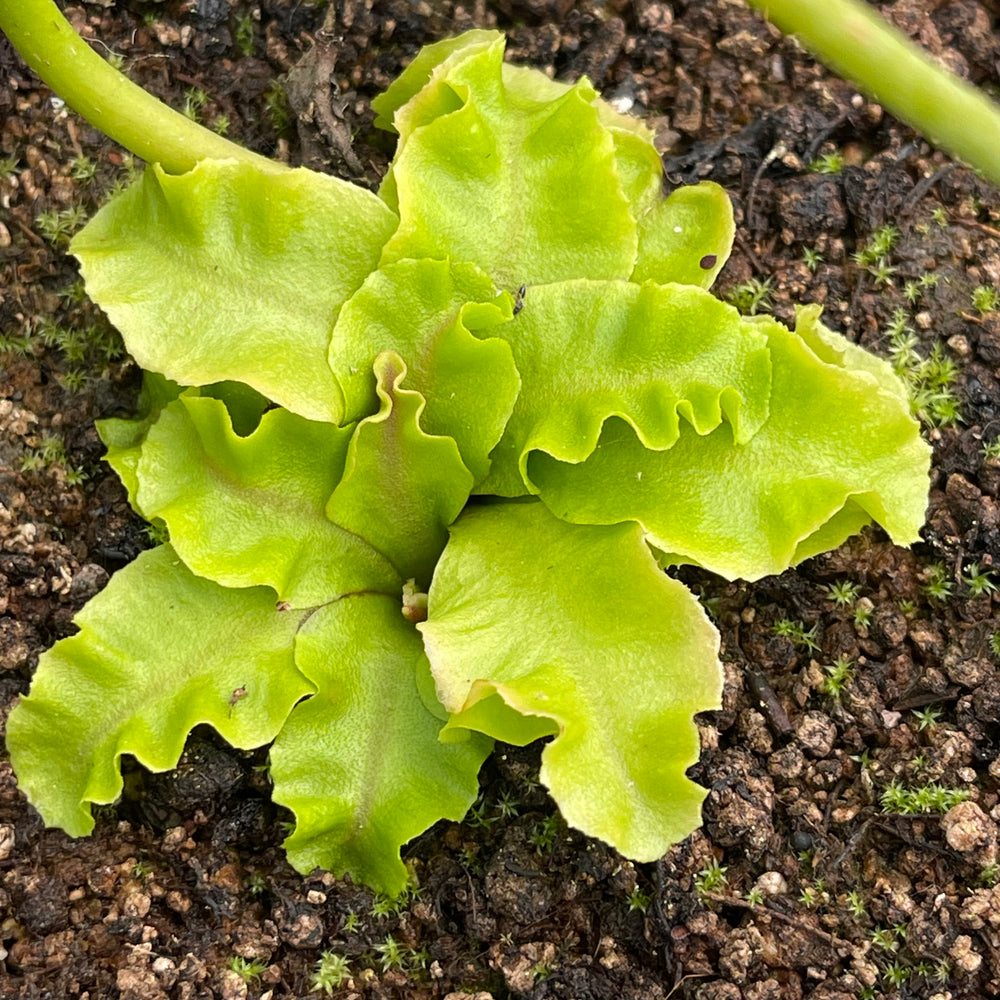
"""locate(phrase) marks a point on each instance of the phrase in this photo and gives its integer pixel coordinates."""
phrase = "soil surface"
(850, 845)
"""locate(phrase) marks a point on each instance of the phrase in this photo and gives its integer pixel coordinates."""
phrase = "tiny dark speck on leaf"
(708, 261)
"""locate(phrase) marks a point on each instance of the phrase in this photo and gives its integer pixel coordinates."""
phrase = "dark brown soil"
(802, 883)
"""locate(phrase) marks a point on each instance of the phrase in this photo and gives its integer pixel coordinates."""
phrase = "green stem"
(109, 100)
(856, 42)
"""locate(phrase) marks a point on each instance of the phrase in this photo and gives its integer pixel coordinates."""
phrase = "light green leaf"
(313, 510)
(402, 487)
(418, 74)
(637, 162)
(836, 349)
(686, 237)
(229, 273)
(837, 450)
(579, 627)
(245, 511)
(526, 190)
(124, 436)
(651, 354)
(434, 100)
(638, 165)
(159, 652)
(360, 763)
(469, 383)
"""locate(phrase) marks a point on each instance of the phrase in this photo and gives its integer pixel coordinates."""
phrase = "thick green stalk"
(106, 98)
(854, 40)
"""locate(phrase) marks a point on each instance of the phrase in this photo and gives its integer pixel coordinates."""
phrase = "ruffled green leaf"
(835, 349)
(837, 451)
(686, 237)
(423, 79)
(229, 273)
(637, 163)
(526, 190)
(577, 627)
(124, 436)
(245, 511)
(418, 74)
(469, 383)
(402, 487)
(360, 763)
(651, 354)
(159, 651)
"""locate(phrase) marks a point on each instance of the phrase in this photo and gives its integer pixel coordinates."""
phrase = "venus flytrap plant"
(422, 457)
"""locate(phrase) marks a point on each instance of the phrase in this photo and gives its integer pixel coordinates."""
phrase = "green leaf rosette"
(421, 456)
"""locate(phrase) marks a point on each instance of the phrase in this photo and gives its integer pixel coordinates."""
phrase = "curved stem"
(109, 100)
(856, 42)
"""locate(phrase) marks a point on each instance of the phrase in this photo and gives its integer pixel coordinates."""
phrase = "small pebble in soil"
(801, 840)
(817, 734)
(771, 884)
(969, 830)
(963, 955)
(6, 841)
